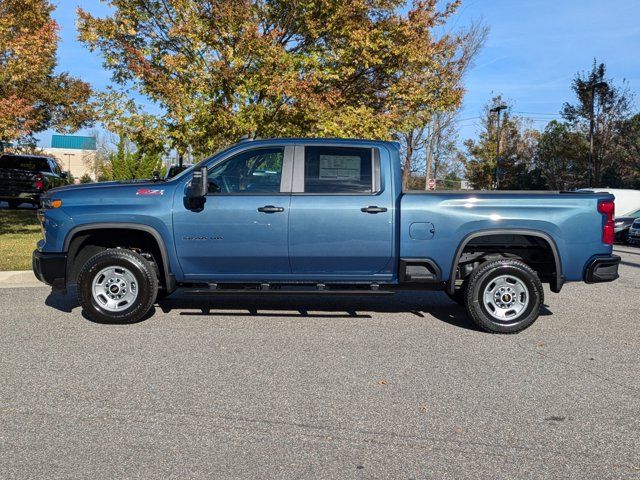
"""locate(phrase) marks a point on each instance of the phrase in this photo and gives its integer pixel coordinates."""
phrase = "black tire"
(13, 204)
(481, 279)
(138, 266)
(625, 238)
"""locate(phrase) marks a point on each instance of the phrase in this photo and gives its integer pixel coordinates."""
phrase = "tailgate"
(14, 182)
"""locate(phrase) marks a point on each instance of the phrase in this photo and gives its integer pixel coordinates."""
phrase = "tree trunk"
(433, 131)
(406, 171)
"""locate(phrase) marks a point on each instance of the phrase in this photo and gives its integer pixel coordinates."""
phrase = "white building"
(75, 153)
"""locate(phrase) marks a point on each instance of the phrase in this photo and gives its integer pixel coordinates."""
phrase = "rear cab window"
(31, 164)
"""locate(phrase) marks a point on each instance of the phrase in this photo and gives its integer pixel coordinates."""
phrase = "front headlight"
(48, 203)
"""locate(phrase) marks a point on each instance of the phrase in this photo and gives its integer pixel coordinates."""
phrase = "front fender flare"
(170, 281)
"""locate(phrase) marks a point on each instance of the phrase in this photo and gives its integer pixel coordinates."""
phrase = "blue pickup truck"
(318, 216)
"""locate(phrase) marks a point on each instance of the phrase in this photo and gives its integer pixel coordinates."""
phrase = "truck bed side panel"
(571, 220)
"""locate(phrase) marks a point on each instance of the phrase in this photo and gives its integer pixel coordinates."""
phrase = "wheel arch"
(556, 286)
(169, 278)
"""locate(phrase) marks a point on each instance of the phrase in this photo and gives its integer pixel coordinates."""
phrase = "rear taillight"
(39, 181)
(608, 209)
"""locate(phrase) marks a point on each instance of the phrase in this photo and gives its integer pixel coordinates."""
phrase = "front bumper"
(602, 269)
(50, 268)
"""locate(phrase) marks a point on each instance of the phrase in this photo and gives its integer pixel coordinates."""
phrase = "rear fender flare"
(555, 286)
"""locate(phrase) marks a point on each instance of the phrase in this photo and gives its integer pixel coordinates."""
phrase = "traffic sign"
(432, 184)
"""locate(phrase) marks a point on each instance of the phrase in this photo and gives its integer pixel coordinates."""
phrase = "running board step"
(266, 289)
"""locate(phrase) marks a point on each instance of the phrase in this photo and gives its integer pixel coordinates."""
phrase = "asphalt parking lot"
(388, 387)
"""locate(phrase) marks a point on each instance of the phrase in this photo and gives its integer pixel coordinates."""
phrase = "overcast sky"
(534, 49)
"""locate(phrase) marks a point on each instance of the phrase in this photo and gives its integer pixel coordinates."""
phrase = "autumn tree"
(517, 148)
(561, 157)
(629, 150)
(611, 106)
(33, 97)
(222, 69)
(431, 142)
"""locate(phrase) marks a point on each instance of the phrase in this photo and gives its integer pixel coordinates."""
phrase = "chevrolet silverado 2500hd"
(319, 216)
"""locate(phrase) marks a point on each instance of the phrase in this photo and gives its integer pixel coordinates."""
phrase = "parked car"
(634, 233)
(24, 178)
(314, 216)
(622, 225)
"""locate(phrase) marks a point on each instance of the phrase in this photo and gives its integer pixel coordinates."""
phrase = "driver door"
(241, 233)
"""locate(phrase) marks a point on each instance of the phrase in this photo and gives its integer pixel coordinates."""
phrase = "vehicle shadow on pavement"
(419, 304)
(63, 302)
(68, 302)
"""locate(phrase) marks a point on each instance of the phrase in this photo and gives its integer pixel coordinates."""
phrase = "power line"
(540, 114)
(465, 119)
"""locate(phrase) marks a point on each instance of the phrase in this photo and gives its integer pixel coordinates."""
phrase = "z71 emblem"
(149, 191)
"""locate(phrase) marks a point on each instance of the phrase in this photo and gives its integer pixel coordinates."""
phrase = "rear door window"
(336, 170)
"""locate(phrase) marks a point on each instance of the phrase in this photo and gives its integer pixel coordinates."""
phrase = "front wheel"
(117, 286)
(504, 296)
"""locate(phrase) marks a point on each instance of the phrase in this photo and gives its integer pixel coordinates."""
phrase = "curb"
(18, 279)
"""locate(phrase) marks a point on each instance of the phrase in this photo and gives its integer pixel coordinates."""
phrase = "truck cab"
(319, 216)
(295, 212)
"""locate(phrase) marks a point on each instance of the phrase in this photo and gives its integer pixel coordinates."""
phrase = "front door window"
(250, 172)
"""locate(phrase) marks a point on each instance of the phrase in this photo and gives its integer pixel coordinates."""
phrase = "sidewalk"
(23, 278)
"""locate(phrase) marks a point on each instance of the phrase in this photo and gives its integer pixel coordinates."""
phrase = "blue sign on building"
(74, 142)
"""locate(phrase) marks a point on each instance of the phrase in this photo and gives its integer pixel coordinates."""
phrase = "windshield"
(31, 164)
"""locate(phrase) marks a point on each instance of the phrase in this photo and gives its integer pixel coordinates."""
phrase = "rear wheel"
(504, 296)
(117, 286)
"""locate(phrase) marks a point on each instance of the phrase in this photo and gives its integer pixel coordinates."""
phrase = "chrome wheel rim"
(115, 288)
(505, 298)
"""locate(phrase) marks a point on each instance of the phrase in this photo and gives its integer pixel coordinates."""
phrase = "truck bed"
(432, 224)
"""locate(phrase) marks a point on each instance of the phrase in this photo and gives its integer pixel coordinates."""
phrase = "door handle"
(270, 209)
(373, 209)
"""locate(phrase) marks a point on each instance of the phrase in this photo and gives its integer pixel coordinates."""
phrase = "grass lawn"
(19, 232)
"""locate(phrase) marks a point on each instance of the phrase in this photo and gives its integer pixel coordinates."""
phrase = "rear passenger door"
(341, 216)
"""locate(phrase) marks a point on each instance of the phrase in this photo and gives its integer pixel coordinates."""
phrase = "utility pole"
(592, 87)
(497, 111)
(433, 131)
